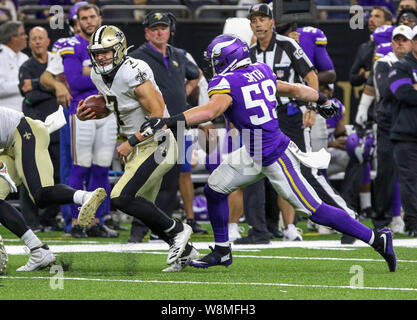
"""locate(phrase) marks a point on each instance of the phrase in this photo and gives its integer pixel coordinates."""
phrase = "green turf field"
(309, 272)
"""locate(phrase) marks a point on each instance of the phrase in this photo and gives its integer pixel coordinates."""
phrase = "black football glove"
(328, 109)
(152, 125)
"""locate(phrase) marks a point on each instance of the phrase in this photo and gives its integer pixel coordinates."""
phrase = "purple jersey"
(313, 41)
(382, 34)
(253, 110)
(75, 57)
(382, 50)
(333, 121)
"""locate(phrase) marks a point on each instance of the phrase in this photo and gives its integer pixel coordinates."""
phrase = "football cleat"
(217, 257)
(89, 207)
(234, 232)
(177, 244)
(291, 233)
(383, 245)
(3, 256)
(397, 225)
(40, 258)
(189, 254)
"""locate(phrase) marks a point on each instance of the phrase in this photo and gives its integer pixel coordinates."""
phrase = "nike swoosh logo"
(225, 258)
(159, 120)
(384, 236)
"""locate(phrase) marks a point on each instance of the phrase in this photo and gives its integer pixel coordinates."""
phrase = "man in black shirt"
(38, 103)
(403, 83)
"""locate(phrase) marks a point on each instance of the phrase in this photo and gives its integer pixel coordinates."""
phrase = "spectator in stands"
(13, 39)
(170, 66)
(406, 4)
(407, 17)
(38, 104)
(12, 13)
(44, 14)
(324, 15)
(389, 4)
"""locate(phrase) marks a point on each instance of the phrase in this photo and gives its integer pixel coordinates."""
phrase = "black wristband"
(172, 121)
(133, 140)
(321, 100)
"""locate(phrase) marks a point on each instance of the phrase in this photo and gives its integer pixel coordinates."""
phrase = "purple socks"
(341, 221)
(218, 212)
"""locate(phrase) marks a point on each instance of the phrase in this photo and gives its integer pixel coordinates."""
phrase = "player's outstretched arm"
(325, 107)
(215, 107)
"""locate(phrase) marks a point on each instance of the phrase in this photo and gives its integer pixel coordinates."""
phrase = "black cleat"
(347, 239)
(383, 245)
(78, 232)
(218, 256)
(251, 239)
(101, 231)
(197, 229)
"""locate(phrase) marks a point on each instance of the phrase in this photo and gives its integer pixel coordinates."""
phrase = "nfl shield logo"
(280, 73)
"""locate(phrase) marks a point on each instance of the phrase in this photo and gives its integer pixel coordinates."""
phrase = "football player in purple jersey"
(246, 94)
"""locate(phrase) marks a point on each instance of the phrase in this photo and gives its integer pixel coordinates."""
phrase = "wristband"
(172, 121)
(321, 100)
(133, 140)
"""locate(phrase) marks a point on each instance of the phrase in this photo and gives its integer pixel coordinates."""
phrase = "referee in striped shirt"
(291, 64)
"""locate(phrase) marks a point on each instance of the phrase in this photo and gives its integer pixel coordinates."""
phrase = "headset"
(170, 16)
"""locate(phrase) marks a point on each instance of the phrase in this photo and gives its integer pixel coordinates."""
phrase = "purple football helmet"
(360, 149)
(226, 53)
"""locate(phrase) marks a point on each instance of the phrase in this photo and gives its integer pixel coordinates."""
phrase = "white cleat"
(183, 261)
(89, 208)
(234, 232)
(3, 256)
(397, 225)
(291, 233)
(40, 258)
(178, 243)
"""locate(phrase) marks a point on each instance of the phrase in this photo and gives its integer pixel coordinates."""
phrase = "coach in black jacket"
(38, 103)
(403, 84)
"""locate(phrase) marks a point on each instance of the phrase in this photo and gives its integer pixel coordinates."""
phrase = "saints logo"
(141, 76)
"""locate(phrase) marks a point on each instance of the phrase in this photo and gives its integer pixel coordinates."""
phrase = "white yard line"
(217, 283)
(127, 247)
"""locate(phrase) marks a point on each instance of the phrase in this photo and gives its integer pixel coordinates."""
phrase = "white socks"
(31, 240)
(79, 196)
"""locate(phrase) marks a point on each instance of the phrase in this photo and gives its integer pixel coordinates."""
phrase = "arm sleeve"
(73, 68)
(401, 85)
(381, 79)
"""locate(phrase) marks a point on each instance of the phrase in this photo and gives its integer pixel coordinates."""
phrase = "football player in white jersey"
(24, 158)
(131, 93)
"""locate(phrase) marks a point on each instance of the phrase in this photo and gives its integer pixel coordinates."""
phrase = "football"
(97, 103)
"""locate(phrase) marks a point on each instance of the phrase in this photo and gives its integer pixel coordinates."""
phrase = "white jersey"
(9, 120)
(120, 96)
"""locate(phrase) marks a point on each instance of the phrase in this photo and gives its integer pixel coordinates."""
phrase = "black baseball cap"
(155, 18)
(260, 8)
